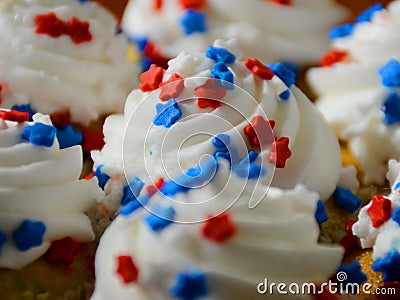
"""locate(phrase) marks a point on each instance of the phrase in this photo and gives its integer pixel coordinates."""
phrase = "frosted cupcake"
(63, 58)
(357, 88)
(43, 204)
(294, 31)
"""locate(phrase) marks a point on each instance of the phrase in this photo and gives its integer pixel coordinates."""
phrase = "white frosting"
(385, 238)
(351, 94)
(41, 184)
(265, 30)
(149, 151)
(276, 240)
(55, 74)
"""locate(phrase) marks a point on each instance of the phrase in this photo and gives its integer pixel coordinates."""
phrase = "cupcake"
(67, 59)
(219, 165)
(293, 31)
(44, 209)
(357, 88)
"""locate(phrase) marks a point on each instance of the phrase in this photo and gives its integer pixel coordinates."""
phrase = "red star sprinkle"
(258, 132)
(349, 242)
(151, 79)
(281, 2)
(60, 119)
(332, 57)
(64, 251)
(152, 189)
(219, 228)
(171, 88)
(89, 176)
(92, 140)
(14, 116)
(1, 89)
(152, 53)
(259, 69)
(209, 94)
(50, 24)
(78, 31)
(157, 4)
(194, 4)
(280, 152)
(127, 269)
(380, 210)
(348, 226)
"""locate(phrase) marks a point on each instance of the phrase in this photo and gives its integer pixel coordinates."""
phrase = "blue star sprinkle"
(198, 176)
(25, 108)
(284, 73)
(346, 199)
(220, 55)
(3, 239)
(134, 205)
(396, 216)
(321, 214)
(353, 272)
(366, 16)
(247, 168)
(341, 31)
(221, 141)
(39, 134)
(193, 21)
(29, 234)
(390, 74)
(132, 190)
(101, 177)
(225, 76)
(160, 218)
(284, 95)
(190, 286)
(389, 266)
(68, 137)
(167, 114)
(391, 108)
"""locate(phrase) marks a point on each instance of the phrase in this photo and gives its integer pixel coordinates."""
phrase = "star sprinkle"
(24, 108)
(14, 116)
(221, 71)
(152, 189)
(3, 239)
(346, 199)
(281, 2)
(160, 218)
(167, 114)
(93, 139)
(29, 234)
(246, 168)
(221, 141)
(78, 31)
(391, 108)
(155, 56)
(190, 286)
(194, 4)
(151, 79)
(101, 177)
(157, 4)
(380, 210)
(50, 24)
(132, 190)
(60, 119)
(284, 73)
(333, 56)
(127, 269)
(390, 74)
(133, 205)
(321, 214)
(259, 69)
(367, 15)
(396, 216)
(193, 21)
(389, 266)
(209, 94)
(341, 31)
(64, 251)
(219, 229)
(171, 88)
(353, 272)
(349, 242)
(68, 137)
(285, 95)
(220, 55)
(280, 152)
(259, 131)
(39, 134)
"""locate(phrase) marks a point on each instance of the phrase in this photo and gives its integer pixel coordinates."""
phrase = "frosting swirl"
(266, 30)
(39, 186)
(63, 55)
(353, 93)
